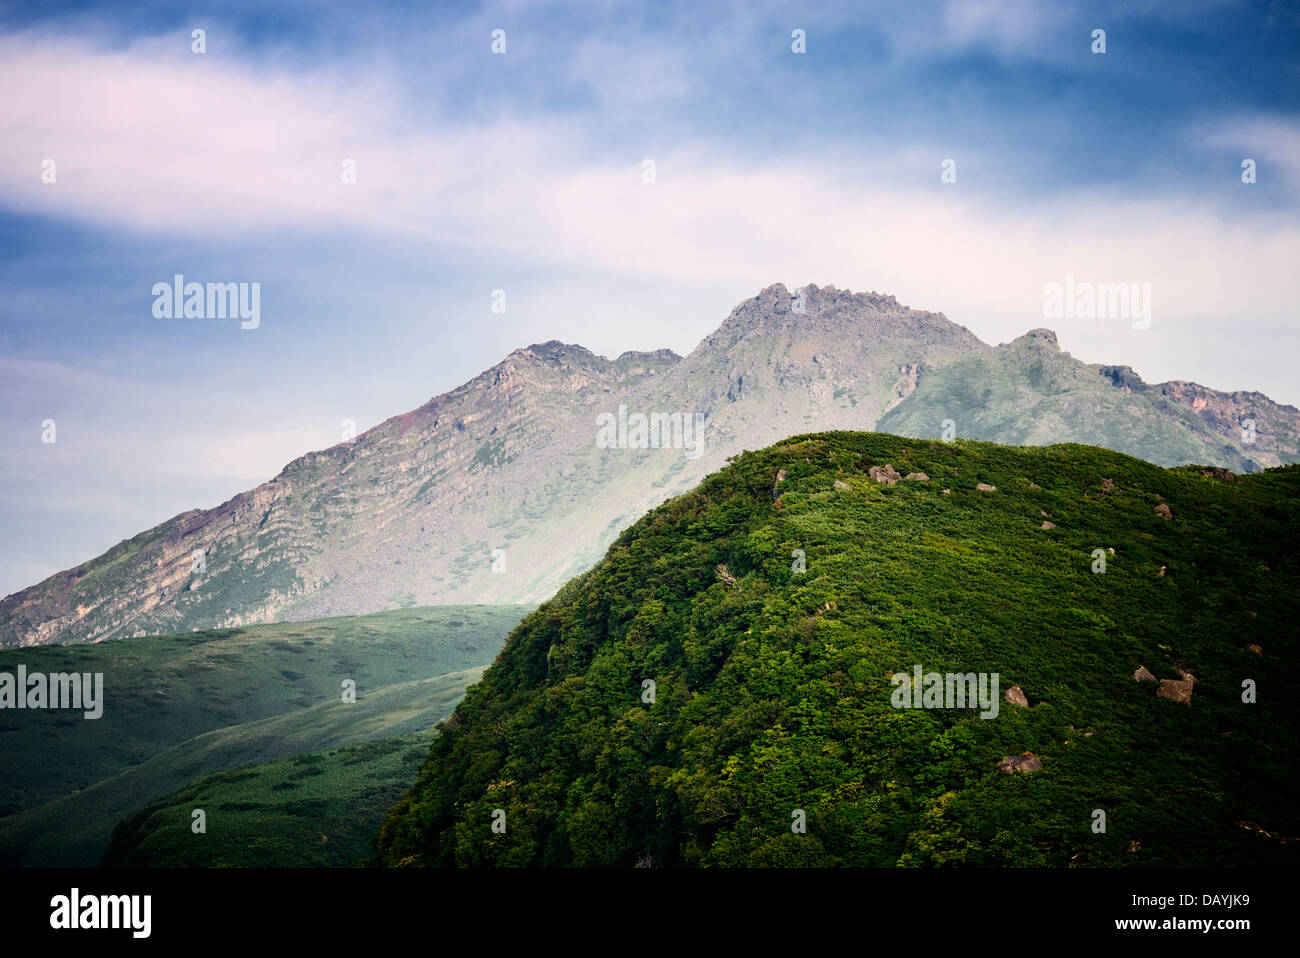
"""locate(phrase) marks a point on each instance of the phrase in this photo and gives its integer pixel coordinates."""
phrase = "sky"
(128, 157)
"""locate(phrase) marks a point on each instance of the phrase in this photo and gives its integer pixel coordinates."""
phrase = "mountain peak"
(553, 351)
(841, 314)
(1042, 338)
(783, 304)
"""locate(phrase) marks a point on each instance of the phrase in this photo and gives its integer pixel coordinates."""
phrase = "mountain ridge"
(496, 490)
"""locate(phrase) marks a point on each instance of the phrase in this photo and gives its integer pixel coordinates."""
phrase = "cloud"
(211, 149)
(1269, 140)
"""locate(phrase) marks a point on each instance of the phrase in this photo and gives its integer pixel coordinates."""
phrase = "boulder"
(947, 492)
(918, 476)
(985, 487)
(1016, 696)
(1163, 512)
(1252, 647)
(841, 485)
(1177, 690)
(1047, 525)
(886, 474)
(1143, 675)
(1028, 762)
(1034, 485)
(780, 478)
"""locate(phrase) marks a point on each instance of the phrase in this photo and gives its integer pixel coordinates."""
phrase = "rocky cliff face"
(1274, 436)
(504, 488)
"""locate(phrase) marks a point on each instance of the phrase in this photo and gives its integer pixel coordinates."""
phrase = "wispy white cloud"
(212, 149)
(1272, 141)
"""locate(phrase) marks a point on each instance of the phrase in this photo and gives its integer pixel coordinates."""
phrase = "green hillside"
(177, 707)
(318, 810)
(773, 686)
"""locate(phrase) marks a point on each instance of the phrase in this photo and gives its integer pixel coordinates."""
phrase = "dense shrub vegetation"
(773, 685)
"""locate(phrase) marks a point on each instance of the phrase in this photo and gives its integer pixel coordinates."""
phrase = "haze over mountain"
(500, 490)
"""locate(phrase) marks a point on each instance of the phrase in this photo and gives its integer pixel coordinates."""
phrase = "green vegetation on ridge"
(773, 686)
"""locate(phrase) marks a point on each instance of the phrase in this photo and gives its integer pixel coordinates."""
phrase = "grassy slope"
(47, 837)
(773, 693)
(317, 810)
(179, 706)
(1025, 394)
